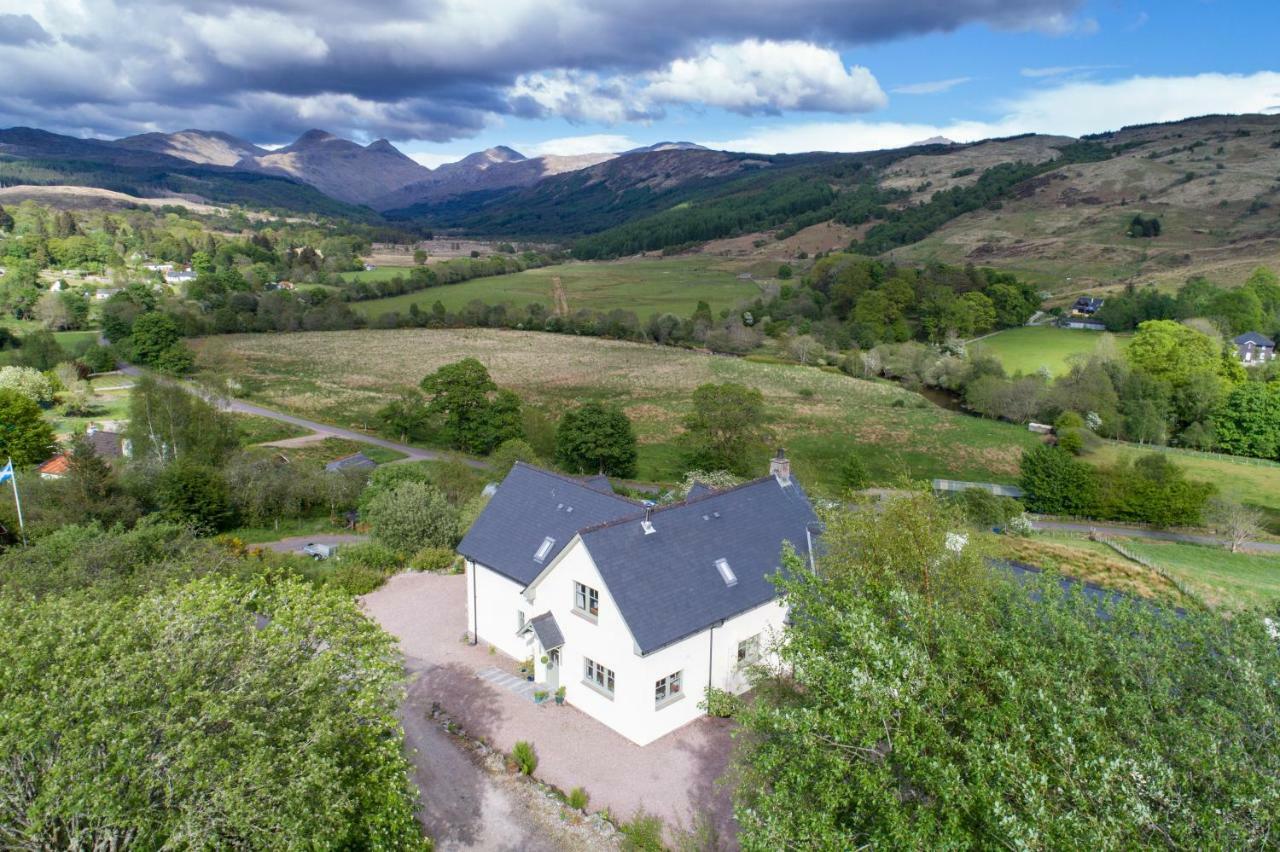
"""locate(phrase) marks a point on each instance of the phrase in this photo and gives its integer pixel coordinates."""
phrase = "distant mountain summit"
(339, 167)
(669, 146)
(209, 147)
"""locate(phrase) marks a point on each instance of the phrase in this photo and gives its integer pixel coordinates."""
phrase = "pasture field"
(645, 286)
(1025, 350)
(1223, 579)
(1092, 562)
(820, 417)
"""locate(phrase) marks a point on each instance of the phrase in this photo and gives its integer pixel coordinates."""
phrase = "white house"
(634, 610)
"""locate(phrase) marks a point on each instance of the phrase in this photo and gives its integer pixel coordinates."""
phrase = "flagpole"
(22, 525)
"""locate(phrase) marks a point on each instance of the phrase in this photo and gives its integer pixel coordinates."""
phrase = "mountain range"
(1050, 207)
(377, 175)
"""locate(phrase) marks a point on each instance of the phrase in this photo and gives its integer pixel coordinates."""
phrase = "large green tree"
(1248, 421)
(221, 714)
(725, 423)
(25, 436)
(410, 516)
(596, 438)
(1056, 482)
(1171, 352)
(153, 334)
(921, 701)
(477, 416)
(167, 421)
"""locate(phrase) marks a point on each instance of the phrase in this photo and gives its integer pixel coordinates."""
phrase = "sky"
(443, 79)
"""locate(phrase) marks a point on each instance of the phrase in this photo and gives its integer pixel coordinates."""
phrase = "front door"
(553, 670)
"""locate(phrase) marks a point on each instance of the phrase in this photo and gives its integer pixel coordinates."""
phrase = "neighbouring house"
(634, 610)
(355, 461)
(369, 267)
(1253, 348)
(158, 267)
(1086, 306)
(1082, 323)
(55, 468)
(108, 444)
(286, 285)
(955, 486)
(179, 276)
(104, 293)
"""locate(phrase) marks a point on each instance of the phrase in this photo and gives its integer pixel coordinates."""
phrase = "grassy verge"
(255, 429)
(1089, 561)
(1224, 579)
(330, 449)
(286, 529)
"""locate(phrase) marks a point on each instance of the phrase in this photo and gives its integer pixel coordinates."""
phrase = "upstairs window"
(586, 600)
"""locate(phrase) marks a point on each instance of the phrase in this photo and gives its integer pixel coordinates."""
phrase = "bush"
(355, 579)
(508, 453)
(721, 703)
(643, 833)
(98, 358)
(524, 757)
(984, 509)
(1071, 440)
(411, 516)
(195, 495)
(432, 559)
(853, 473)
(370, 554)
(578, 799)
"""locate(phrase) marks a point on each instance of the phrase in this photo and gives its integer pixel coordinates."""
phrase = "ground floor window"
(667, 689)
(749, 649)
(598, 675)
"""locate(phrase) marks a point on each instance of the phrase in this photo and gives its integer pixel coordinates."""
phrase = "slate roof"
(1256, 339)
(105, 444)
(530, 506)
(547, 630)
(355, 461)
(667, 585)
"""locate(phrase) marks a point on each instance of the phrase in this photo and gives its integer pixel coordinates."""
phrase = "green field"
(1026, 350)
(646, 287)
(820, 416)
(110, 402)
(1222, 578)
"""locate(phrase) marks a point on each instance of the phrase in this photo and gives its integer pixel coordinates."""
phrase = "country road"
(1158, 535)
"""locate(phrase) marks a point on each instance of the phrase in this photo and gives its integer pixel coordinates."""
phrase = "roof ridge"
(573, 481)
(702, 498)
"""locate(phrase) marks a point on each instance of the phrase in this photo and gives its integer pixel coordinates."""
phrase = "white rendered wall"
(499, 602)
(631, 711)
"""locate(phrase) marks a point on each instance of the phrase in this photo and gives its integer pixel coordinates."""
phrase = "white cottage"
(634, 610)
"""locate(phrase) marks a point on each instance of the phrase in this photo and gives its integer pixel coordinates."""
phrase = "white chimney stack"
(780, 467)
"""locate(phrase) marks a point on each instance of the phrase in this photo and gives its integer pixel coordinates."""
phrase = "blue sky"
(442, 78)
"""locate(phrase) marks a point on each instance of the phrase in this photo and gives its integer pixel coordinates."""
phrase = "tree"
(1239, 523)
(25, 436)
(904, 711)
(167, 422)
(177, 360)
(1151, 490)
(29, 382)
(152, 336)
(213, 715)
(853, 473)
(410, 516)
(784, 272)
(1056, 483)
(725, 423)
(195, 496)
(596, 438)
(41, 351)
(461, 393)
(6, 221)
(1248, 421)
(502, 459)
(1171, 352)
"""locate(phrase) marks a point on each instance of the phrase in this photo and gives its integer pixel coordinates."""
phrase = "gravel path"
(674, 777)
(297, 542)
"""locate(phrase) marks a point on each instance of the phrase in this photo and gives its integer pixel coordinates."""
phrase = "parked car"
(317, 550)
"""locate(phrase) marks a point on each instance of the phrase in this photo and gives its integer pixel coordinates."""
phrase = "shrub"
(98, 358)
(355, 579)
(524, 757)
(370, 554)
(643, 833)
(984, 509)
(578, 799)
(853, 473)
(1071, 440)
(721, 703)
(410, 516)
(508, 453)
(432, 559)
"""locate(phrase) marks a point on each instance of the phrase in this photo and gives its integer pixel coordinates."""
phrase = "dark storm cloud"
(399, 68)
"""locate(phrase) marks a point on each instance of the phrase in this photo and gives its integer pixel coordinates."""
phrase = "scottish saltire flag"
(6, 472)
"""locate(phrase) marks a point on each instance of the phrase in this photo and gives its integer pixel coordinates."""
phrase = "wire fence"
(1178, 584)
(1183, 451)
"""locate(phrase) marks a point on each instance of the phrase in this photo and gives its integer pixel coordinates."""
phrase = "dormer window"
(544, 549)
(726, 573)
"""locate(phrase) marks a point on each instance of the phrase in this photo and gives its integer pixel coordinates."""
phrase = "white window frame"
(598, 677)
(586, 601)
(668, 690)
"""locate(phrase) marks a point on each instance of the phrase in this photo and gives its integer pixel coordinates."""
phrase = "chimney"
(780, 467)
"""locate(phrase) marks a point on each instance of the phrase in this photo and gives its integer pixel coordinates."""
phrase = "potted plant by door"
(540, 696)
(526, 669)
(560, 695)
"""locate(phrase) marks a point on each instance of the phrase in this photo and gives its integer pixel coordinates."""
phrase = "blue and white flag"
(6, 472)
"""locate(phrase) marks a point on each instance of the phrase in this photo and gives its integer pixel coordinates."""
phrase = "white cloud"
(931, 87)
(1071, 109)
(767, 76)
(253, 38)
(595, 143)
(578, 96)
(1063, 70)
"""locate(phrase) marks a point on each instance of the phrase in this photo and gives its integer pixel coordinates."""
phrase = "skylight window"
(647, 526)
(726, 573)
(544, 549)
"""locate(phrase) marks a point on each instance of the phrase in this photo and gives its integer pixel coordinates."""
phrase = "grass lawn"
(1224, 579)
(318, 525)
(646, 286)
(1026, 350)
(110, 401)
(1090, 561)
(345, 377)
(1248, 481)
(324, 451)
(255, 429)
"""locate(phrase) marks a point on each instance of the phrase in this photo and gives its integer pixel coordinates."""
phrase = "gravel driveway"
(674, 777)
